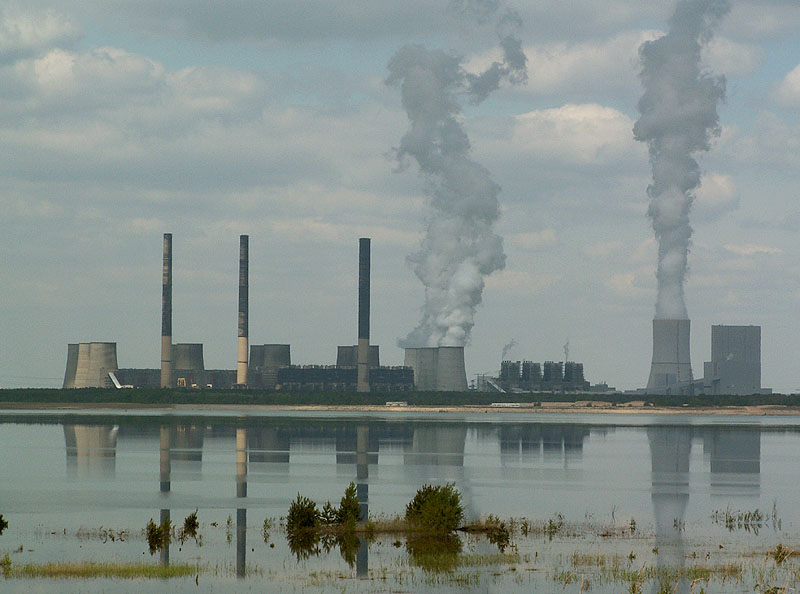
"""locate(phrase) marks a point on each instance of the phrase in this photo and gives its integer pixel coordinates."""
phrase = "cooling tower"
(241, 363)
(187, 357)
(439, 369)
(671, 365)
(363, 314)
(89, 363)
(166, 313)
(265, 360)
(347, 356)
(451, 375)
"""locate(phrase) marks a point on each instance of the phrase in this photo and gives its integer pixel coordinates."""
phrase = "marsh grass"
(92, 569)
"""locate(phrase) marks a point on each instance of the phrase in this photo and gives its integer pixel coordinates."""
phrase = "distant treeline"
(151, 396)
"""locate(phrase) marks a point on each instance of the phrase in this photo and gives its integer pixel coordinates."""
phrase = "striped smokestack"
(166, 314)
(363, 314)
(241, 364)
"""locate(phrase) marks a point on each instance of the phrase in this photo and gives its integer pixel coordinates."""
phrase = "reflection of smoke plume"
(460, 247)
(508, 348)
(679, 115)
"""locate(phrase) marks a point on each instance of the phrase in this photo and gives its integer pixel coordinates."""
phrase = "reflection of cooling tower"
(347, 356)
(166, 313)
(89, 363)
(671, 362)
(439, 369)
(265, 360)
(91, 449)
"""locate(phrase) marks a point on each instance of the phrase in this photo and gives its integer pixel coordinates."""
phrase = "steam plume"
(507, 349)
(460, 247)
(679, 117)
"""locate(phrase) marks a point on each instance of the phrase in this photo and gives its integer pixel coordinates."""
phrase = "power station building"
(268, 366)
(735, 366)
(528, 376)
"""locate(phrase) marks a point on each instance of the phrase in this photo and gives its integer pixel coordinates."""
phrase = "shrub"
(4, 523)
(158, 536)
(436, 508)
(190, 526)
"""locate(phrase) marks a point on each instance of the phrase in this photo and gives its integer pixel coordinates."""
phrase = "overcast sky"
(121, 120)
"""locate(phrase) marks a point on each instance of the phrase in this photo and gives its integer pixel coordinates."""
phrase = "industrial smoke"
(678, 118)
(460, 247)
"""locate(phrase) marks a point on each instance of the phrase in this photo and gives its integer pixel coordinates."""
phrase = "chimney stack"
(166, 314)
(241, 364)
(363, 314)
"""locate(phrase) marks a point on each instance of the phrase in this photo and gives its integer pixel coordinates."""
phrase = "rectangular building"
(735, 366)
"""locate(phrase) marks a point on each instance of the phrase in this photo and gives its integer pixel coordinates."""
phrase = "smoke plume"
(460, 247)
(679, 117)
(507, 349)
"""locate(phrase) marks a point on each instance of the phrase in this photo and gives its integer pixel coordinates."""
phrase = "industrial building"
(268, 366)
(735, 366)
(528, 376)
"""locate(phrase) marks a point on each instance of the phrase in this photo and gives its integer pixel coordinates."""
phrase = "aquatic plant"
(265, 529)
(190, 526)
(3, 524)
(158, 535)
(92, 569)
(436, 508)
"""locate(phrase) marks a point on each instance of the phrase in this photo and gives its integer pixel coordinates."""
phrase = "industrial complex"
(735, 366)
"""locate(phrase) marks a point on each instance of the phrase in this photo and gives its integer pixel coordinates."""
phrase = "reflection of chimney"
(241, 364)
(166, 314)
(363, 314)
(671, 370)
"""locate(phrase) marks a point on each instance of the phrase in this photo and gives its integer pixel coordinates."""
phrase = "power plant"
(268, 366)
(735, 366)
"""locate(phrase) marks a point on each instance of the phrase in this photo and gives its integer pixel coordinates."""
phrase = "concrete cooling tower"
(672, 367)
(265, 360)
(187, 357)
(437, 369)
(347, 356)
(89, 363)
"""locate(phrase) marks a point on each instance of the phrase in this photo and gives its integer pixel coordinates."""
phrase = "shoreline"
(545, 408)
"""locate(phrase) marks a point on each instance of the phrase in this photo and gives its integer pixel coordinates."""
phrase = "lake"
(629, 491)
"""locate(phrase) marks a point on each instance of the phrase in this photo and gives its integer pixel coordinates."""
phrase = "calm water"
(68, 479)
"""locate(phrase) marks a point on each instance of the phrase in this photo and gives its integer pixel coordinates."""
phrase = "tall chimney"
(363, 315)
(166, 314)
(241, 363)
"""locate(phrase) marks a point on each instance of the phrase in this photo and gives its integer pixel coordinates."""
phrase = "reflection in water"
(165, 470)
(91, 450)
(735, 455)
(670, 448)
(362, 491)
(241, 492)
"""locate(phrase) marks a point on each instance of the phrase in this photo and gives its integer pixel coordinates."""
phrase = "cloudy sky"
(121, 120)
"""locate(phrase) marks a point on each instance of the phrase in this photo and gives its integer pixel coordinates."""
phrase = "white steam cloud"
(460, 247)
(679, 117)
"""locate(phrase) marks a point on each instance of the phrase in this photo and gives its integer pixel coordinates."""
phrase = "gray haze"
(679, 116)
(460, 247)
